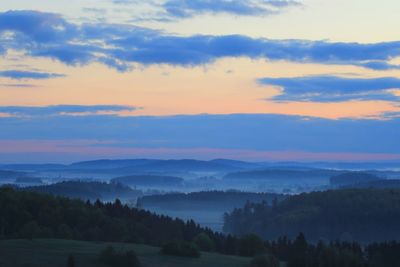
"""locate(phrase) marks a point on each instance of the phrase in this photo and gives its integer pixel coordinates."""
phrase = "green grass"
(54, 253)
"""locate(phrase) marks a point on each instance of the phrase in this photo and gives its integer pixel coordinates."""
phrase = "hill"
(153, 165)
(364, 215)
(32, 216)
(352, 178)
(33, 167)
(149, 180)
(54, 253)
(88, 190)
(6, 174)
(28, 180)
(110, 164)
(378, 184)
(121, 167)
(288, 173)
(27, 214)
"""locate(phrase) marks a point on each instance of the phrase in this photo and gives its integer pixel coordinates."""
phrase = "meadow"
(54, 253)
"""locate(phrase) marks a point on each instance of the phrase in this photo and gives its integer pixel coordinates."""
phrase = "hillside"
(149, 180)
(352, 178)
(28, 180)
(288, 173)
(378, 184)
(54, 253)
(6, 174)
(165, 165)
(363, 215)
(35, 215)
(88, 190)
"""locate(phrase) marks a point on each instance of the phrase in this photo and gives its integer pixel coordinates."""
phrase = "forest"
(149, 180)
(363, 215)
(31, 215)
(88, 190)
(352, 178)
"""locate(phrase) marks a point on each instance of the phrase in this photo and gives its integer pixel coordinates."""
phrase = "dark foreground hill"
(54, 253)
(29, 215)
(363, 215)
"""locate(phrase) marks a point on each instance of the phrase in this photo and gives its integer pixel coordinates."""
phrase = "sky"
(259, 80)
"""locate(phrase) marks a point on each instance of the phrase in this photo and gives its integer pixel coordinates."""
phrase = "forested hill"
(149, 180)
(88, 190)
(353, 214)
(378, 184)
(6, 174)
(352, 178)
(282, 173)
(32, 215)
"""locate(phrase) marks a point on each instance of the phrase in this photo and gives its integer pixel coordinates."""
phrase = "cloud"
(120, 46)
(70, 54)
(379, 65)
(334, 88)
(243, 132)
(96, 11)
(178, 9)
(125, 1)
(34, 26)
(190, 8)
(19, 75)
(17, 85)
(62, 110)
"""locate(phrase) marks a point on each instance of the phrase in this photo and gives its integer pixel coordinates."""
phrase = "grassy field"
(54, 253)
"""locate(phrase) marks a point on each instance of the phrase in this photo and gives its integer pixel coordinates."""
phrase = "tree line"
(363, 215)
(33, 215)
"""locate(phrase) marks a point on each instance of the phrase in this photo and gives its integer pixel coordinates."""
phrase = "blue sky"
(253, 79)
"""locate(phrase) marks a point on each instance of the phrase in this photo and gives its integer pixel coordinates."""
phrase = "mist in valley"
(203, 191)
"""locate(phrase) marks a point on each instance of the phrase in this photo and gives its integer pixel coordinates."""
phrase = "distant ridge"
(142, 165)
(166, 165)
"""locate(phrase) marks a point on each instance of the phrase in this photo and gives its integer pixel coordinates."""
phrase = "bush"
(264, 260)
(182, 249)
(30, 230)
(110, 256)
(204, 242)
(251, 245)
(64, 232)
